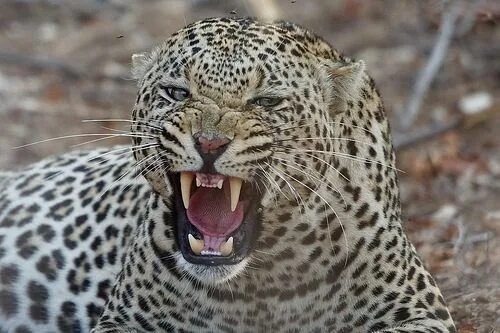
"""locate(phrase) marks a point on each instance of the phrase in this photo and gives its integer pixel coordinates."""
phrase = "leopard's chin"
(217, 221)
(211, 274)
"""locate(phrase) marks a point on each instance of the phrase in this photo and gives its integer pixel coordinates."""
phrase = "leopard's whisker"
(167, 256)
(328, 164)
(108, 136)
(104, 161)
(316, 158)
(119, 152)
(155, 130)
(144, 172)
(258, 258)
(262, 178)
(230, 290)
(114, 129)
(301, 158)
(331, 186)
(278, 128)
(152, 166)
(132, 168)
(276, 184)
(140, 122)
(128, 149)
(330, 206)
(250, 267)
(265, 252)
(128, 134)
(272, 183)
(338, 154)
(155, 166)
(258, 188)
(294, 191)
(323, 138)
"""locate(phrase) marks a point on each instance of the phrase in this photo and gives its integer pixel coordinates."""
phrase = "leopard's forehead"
(245, 37)
(232, 54)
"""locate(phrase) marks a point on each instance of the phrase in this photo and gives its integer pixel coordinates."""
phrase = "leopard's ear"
(140, 65)
(344, 80)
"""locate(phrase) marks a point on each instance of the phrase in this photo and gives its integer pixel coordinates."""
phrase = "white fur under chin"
(212, 275)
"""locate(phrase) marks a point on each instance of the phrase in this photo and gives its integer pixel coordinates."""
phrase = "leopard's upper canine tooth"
(219, 183)
(196, 244)
(235, 185)
(186, 181)
(226, 247)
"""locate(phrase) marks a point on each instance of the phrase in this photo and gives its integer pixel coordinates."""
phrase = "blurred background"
(436, 63)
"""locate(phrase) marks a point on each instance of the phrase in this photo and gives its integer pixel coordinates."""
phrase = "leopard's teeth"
(235, 185)
(220, 183)
(196, 244)
(198, 182)
(186, 181)
(226, 248)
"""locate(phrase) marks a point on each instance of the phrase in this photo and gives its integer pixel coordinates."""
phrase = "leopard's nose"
(214, 145)
(210, 147)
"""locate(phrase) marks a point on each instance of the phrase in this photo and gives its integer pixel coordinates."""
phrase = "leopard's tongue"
(210, 212)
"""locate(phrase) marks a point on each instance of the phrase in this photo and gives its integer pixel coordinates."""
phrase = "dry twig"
(427, 74)
(408, 140)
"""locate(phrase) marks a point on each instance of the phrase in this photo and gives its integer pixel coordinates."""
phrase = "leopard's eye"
(267, 101)
(176, 93)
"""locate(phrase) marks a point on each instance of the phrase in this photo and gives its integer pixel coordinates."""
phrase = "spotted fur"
(87, 242)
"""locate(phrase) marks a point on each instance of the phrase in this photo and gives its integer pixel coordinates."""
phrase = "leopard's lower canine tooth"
(226, 247)
(235, 185)
(196, 244)
(186, 180)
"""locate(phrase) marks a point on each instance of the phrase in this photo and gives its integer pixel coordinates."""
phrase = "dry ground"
(63, 61)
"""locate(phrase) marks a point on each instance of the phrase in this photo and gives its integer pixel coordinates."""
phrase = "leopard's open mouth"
(216, 217)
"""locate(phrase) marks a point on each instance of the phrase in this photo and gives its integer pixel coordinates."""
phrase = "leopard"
(259, 194)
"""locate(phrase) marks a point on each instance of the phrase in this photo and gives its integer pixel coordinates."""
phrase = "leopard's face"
(231, 113)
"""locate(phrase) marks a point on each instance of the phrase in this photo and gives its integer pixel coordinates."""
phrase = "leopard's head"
(236, 119)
